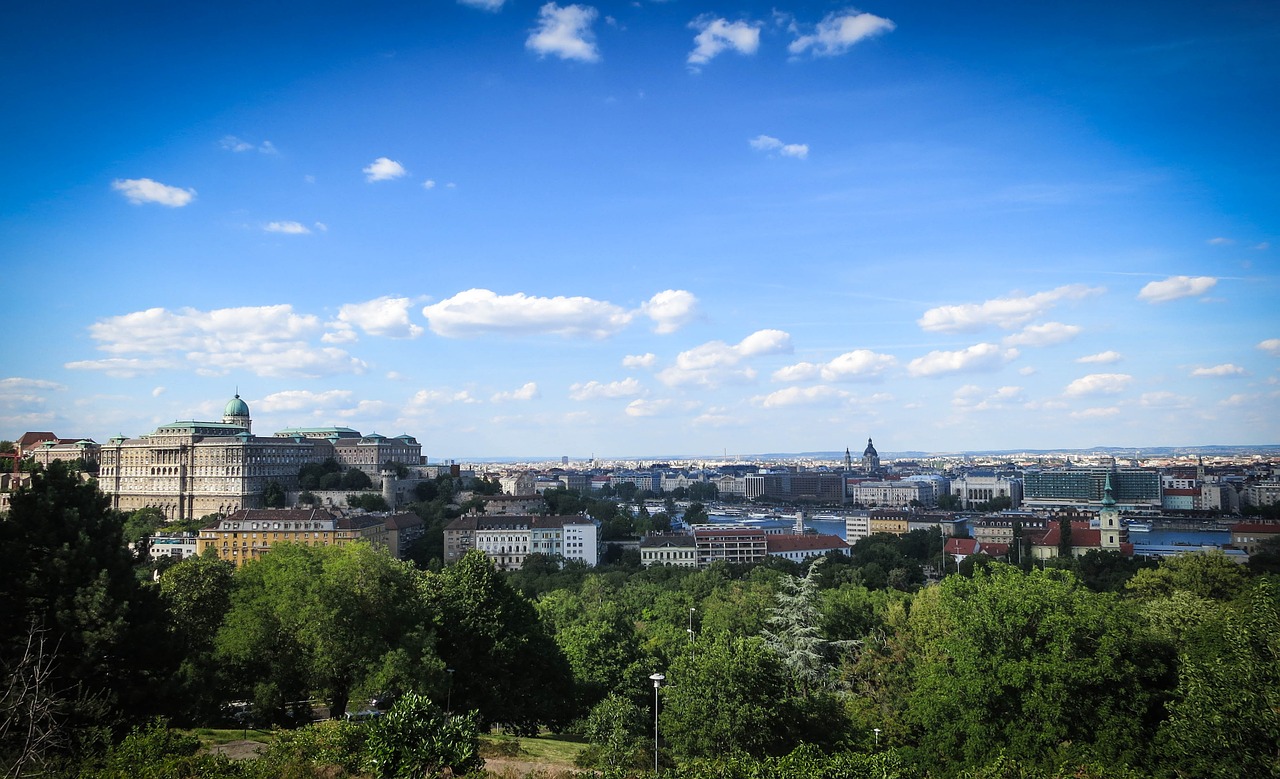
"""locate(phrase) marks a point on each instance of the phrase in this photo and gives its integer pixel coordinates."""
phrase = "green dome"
(236, 408)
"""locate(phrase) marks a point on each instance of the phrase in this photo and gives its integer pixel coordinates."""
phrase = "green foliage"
(507, 667)
(696, 514)
(369, 501)
(157, 752)
(355, 479)
(273, 496)
(1211, 575)
(617, 730)
(334, 743)
(196, 595)
(314, 476)
(1224, 720)
(804, 761)
(416, 740)
(1029, 663)
(142, 523)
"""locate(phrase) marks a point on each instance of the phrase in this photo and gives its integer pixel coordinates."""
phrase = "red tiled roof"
(1255, 527)
(964, 546)
(805, 543)
(995, 550)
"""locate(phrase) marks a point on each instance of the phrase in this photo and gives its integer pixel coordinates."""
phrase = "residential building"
(897, 493)
(177, 545)
(678, 549)
(403, 530)
(509, 540)
(886, 521)
(857, 525)
(731, 545)
(1135, 489)
(1250, 535)
(248, 534)
(513, 505)
(799, 548)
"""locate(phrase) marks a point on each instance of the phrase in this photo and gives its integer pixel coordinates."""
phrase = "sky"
(527, 229)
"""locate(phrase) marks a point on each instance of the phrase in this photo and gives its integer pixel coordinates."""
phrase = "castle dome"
(236, 408)
(870, 451)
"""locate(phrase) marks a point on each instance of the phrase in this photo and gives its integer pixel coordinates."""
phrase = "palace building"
(189, 469)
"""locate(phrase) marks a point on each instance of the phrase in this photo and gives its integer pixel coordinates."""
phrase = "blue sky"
(647, 228)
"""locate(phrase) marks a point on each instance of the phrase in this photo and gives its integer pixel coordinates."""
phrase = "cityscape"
(669, 389)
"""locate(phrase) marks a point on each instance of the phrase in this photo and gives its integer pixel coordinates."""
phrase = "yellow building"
(896, 522)
(249, 533)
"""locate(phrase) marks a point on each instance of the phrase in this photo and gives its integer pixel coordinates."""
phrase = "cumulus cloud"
(800, 396)
(527, 392)
(264, 340)
(1096, 413)
(1101, 358)
(387, 316)
(645, 360)
(1225, 369)
(302, 400)
(565, 32)
(647, 408)
(716, 362)
(288, 228)
(157, 392)
(484, 5)
(1006, 313)
(1176, 287)
(1047, 334)
(594, 390)
(383, 169)
(979, 357)
(768, 143)
(670, 310)
(139, 191)
(1271, 346)
(481, 311)
(973, 398)
(1098, 384)
(858, 365)
(19, 384)
(838, 32)
(719, 35)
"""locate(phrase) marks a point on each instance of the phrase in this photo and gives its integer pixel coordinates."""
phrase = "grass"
(213, 737)
(557, 751)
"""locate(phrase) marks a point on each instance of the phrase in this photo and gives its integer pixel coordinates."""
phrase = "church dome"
(870, 451)
(236, 408)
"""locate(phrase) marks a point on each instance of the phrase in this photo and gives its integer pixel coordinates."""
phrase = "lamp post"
(657, 682)
(690, 628)
(877, 730)
(448, 705)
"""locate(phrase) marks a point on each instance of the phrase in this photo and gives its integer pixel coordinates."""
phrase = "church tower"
(1109, 529)
(870, 458)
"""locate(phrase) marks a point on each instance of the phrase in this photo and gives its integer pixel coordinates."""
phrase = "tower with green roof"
(1109, 520)
(236, 412)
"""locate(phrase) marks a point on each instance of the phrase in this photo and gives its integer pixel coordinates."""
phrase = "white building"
(979, 487)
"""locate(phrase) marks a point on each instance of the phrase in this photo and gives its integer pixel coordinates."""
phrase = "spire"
(1107, 498)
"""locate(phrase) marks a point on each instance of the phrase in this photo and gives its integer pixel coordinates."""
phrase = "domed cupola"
(237, 413)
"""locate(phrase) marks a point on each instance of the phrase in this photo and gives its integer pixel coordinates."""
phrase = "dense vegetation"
(848, 667)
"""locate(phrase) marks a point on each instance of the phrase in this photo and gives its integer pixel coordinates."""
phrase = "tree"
(616, 729)
(355, 479)
(417, 740)
(142, 523)
(196, 594)
(506, 666)
(1212, 576)
(1064, 537)
(273, 496)
(1006, 649)
(326, 618)
(696, 514)
(68, 578)
(794, 632)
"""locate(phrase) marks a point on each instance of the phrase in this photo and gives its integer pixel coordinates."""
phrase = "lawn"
(213, 737)
(554, 751)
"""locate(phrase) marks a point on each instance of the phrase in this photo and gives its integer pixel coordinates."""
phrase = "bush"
(333, 743)
(416, 739)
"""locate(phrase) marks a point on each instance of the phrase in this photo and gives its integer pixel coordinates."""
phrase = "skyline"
(658, 228)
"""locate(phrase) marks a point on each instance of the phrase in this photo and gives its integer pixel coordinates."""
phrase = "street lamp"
(657, 682)
(448, 705)
(690, 628)
(877, 730)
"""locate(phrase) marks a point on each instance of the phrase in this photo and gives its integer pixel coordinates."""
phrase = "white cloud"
(1047, 334)
(1164, 399)
(481, 311)
(302, 400)
(426, 399)
(979, 357)
(716, 362)
(645, 360)
(157, 392)
(858, 365)
(1226, 369)
(387, 316)
(17, 384)
(264, 340)
(483, 5)
(288, 228)
(1271, 346)
(429, 184)
(1005, 313)
(234, 144)
(527, 392)
(838, 32)
(719, 35)
(1101, 358)
(1096, 413)
(716, 416)
(593, 390)
(769, 143)
(973, 398)
(1098, 384)
(383, 169)
(140, 191)
(1220, 241)
(647, 408)
(565, 32)
(670, 310)
(1176, 287)
(800, 396)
